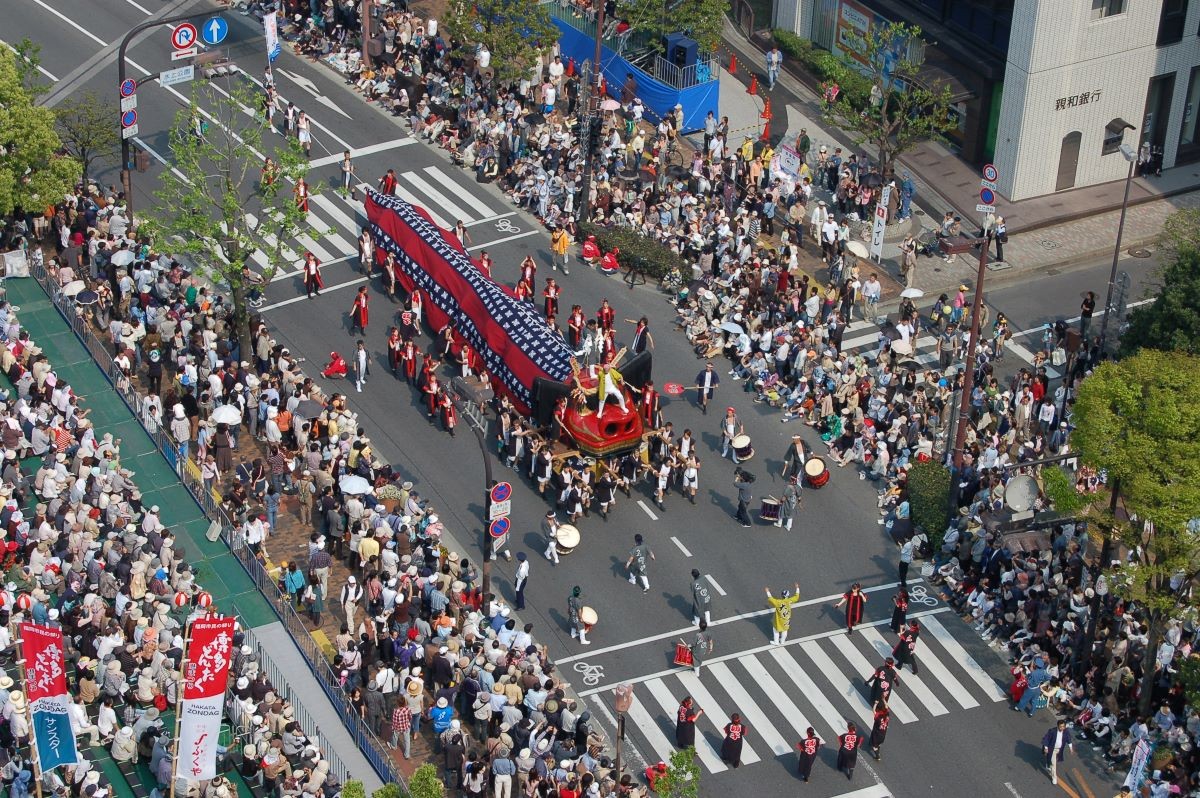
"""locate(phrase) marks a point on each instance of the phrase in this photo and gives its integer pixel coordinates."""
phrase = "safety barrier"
(368, 743)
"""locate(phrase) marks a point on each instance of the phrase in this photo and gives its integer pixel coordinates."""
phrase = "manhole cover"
(919, 212)
(1048, 244)
(1140, 252)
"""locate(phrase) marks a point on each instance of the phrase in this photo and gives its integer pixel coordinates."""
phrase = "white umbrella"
(731, 327)
(121, 257)
(912, 293)
(353, 484)
(74, 287)
(858, 249)
(227, 414)
(610, 105)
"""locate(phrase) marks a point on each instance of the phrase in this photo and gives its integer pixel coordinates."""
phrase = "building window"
(1107, 8)
(1170, 24)
(1114, 135)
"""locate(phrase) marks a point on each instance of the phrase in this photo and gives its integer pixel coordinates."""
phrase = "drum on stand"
(567, 539)
(589, 618)
(741, 447)
(816, 473)
(770, 509)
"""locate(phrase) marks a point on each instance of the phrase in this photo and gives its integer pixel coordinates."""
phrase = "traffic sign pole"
(122, 82)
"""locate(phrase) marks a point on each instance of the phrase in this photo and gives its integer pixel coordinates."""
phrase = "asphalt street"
(954, 721)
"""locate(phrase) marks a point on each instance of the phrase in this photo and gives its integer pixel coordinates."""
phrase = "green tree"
(214, 205)
(424, 782)
(682, 779)
(929, 499)
(389, 790)
(1172, 321)
(354, 789)
(516, 33)
(29, 58)
(899, 112)
(1139, 420)
(85, 125)
(33, 170)
(701, 19)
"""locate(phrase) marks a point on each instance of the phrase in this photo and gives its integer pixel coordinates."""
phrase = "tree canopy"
(1138, 419)
(85, 125)
(516, 33)
(900, 111)
(34, 172)
(701, 19)
(227, 213)
(1172, 321)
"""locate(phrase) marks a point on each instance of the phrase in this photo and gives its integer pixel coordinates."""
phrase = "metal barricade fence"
(368, 743)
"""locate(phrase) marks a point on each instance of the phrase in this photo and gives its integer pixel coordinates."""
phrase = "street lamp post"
(126, 176)
(622, 701)
(592, 118)
(1130, 155)
(476, 420)
(964, 405)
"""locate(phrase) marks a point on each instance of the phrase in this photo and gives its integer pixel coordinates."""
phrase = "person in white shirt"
(81, 723)
(871, 291)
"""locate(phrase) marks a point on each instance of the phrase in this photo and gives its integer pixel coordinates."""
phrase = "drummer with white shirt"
(731, 427)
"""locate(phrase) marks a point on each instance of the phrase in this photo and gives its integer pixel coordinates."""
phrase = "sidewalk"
(1085, 230)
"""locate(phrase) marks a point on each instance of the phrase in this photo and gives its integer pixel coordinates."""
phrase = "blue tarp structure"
(658, 97)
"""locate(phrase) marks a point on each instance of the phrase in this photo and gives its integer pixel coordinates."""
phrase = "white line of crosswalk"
(926, 351)
(773, 689)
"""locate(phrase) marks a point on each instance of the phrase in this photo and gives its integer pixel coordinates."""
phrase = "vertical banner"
(271, 32)
(46, 690)
(880, 226)
(205, 676)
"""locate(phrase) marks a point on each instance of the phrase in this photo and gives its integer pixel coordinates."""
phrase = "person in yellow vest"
(560, 245)
(747, 150)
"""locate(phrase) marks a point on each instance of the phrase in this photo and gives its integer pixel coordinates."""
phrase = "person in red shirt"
(550, 296)
(408, 360)
(358, 311)
(591, 251)
(336, 367)
(848, 744)
(302, 195)
(448, 412)
(883, 716)
(808, 748)
(735, 735)
(485, 263)
(529, 270)
(387, 183)
(575, 325)
(394, 345)
(605, 316)
(649, 405)
(854, 599)
(312, 275)
(685, 723)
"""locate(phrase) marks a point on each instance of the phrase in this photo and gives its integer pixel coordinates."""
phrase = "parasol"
(227, 414)
(353, 485)
(74, 287)
(309, 408)
(731, 327)
(87, 298)
(858, 249)
(610, 105)
(912, 293)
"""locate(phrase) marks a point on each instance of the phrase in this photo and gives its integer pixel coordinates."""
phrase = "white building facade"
(1077, 78)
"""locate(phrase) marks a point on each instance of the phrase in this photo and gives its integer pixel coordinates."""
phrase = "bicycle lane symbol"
(918, 594)
(505, 226)
(592, 674)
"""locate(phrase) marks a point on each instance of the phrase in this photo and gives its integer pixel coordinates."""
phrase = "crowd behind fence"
(368, 743)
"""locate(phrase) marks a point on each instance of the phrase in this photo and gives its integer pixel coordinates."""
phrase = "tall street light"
(1130, 155)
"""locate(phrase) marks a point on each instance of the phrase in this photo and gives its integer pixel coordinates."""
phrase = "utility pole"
(366, 33)
(477, 421)
(964, 408)
(1105, 555)
(588, 126)
(126, 177)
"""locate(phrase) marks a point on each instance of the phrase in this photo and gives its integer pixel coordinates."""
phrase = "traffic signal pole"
(126, 172)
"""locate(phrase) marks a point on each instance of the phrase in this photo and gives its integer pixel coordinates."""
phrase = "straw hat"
(414, 688)
(17, 699)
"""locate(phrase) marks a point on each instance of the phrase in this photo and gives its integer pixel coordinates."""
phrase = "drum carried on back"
(741, 447)
(567, 539)
(816, 473)
(589, 618)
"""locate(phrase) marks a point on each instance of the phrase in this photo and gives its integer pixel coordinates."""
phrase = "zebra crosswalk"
(862, 337)
(334, 223)
(818, 681)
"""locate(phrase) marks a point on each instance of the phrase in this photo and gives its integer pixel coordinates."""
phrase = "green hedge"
(929, 500)
(636, 251)
(825, 66)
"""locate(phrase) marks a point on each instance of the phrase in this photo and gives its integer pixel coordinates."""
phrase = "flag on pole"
(46, 690)
(271, 32)
(205, 678)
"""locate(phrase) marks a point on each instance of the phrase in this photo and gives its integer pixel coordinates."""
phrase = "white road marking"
(302, 297)
(648, 726)
(328, 206)
(1041, 327)
(74, 25)
(780, 697)
(630, 750)
(526, 234)
(720, 590)
(310, 244)
(731, 619)
(760, 725)
(910, 683)
(158, 157)
(682, 547)
(642, 504)
(315, 123)
(841, 682)
(284, 275)
(370, 149)
(861, 667)
(40, 68)
(835, 722)
(411, 198)
(973, 668)
(437, 174)
(1012, 789)
(487, 219)
(443, 202)
(138, 7)
(874, 791)
(713, 712)
(941, 674)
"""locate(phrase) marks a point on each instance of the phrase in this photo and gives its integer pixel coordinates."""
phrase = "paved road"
(952, 718)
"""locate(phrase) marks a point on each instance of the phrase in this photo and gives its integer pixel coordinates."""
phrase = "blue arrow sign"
(128, 118)
(214, 30)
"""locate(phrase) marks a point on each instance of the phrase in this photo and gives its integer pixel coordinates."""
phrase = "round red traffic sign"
(987, 196)
(499, 528)
(184, 36)
(501, 492)
(128, 87)
(990, 174)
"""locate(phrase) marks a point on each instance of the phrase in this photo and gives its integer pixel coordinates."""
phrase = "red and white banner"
(46, 689)
(206, 676)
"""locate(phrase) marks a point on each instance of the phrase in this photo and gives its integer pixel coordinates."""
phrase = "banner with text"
(46, 690)
(271, 34)
(206, 677)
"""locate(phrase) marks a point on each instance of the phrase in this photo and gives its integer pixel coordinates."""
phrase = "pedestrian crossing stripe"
(773, 708)
(432, 188)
